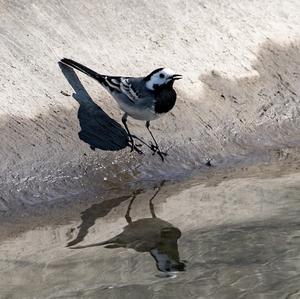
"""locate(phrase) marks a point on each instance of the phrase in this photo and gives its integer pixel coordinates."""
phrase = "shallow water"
(218, 237)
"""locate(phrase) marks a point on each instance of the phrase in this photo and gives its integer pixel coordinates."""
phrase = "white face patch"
(160, 78)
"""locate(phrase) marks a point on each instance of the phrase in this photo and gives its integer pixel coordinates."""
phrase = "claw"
(135, 147)
(156, 150)
(138, 150)
(161, 156)
(153, 147)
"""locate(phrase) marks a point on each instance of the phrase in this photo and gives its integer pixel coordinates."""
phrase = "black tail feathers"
(82, 68)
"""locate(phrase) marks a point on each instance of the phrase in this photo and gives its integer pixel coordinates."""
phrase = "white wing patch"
(115, 81)
(114, 84)
(127, 89)
(121, 85)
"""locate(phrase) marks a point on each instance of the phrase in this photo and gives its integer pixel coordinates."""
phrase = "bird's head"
(161, 77)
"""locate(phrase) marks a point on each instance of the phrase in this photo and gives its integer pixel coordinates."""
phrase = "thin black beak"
(176, 77)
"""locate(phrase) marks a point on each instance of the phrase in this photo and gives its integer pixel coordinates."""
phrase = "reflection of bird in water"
(153, 235)
(90, 215)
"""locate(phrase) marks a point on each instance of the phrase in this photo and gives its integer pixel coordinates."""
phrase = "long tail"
(82, 68)
(107, 242)
(90, 245)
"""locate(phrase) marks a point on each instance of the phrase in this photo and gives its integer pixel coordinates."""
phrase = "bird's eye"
(161, 75)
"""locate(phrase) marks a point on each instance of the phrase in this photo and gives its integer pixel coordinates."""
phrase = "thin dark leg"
(155, 146)
(151, 199)
(127, 215)
(133, 147)
(151, 204)
(124, 121)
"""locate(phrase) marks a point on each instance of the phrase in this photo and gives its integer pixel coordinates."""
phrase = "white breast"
(136, 112)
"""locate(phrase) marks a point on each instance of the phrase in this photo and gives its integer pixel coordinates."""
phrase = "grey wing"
(126, 86)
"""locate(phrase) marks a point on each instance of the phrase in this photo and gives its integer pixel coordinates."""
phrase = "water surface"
(225, 236)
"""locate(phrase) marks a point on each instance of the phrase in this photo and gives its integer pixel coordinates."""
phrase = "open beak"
(176, 77)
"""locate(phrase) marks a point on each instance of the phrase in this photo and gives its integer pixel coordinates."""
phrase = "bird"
(143, 98)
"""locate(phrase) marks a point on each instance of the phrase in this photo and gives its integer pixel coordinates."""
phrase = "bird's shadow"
(97, 128)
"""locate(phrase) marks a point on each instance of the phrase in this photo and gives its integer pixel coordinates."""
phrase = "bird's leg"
(127, 215)
(155, 148)
(133, 146)
(151, 199)
(151, 203)
(124, 121)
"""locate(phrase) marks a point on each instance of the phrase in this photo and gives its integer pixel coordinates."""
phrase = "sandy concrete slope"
(240, 93)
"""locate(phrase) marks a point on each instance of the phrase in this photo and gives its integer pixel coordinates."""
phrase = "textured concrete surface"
(66, 173)
(240, 92)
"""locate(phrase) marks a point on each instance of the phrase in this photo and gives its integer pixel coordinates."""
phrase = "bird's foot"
(162, 155)
(135, 147)
(155, 149)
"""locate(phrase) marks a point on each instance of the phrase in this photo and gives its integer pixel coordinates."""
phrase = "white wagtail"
(143, 98)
